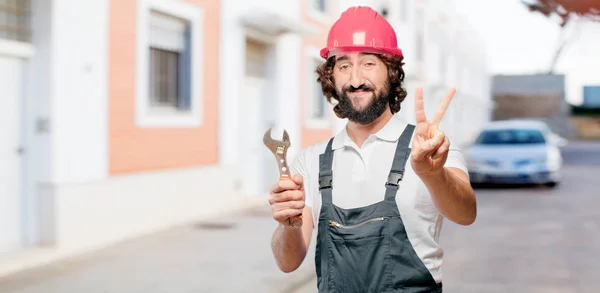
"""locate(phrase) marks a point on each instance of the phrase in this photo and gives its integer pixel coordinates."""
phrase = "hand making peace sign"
(430, 145)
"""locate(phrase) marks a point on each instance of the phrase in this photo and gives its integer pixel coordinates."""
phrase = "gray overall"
(364, 250)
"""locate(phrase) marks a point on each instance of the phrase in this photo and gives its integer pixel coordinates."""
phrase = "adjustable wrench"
(279, 149)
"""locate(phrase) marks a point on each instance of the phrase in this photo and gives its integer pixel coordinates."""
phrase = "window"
(15, 20)
(511, 136)
(169, 72)
(319, 101)
(320, 5)
(169, 62)
(318, 10)
(316, 102)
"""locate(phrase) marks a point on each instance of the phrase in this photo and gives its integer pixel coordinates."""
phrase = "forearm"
(452, 195)
(289, 248)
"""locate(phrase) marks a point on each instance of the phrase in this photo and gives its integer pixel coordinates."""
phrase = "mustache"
(363, 87)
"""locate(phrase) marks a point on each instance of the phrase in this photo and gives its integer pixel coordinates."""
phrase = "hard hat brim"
(326, 53)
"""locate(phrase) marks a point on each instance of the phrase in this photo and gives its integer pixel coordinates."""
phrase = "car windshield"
(511, 136)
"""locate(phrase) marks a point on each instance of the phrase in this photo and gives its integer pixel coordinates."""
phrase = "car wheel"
(552, 184)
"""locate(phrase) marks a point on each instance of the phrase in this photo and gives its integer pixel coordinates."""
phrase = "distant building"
(591, 97)
(532, 96)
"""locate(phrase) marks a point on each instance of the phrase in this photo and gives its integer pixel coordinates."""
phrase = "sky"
(521, 42)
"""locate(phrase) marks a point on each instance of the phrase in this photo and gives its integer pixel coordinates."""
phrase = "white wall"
(283, 79)
(11, 93)
(79, 64)
(288, 10)
(37, 157)
(287, 88)
(231, 64)
(79, 217)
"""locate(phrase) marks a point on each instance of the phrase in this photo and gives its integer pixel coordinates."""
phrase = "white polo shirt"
(359, 176)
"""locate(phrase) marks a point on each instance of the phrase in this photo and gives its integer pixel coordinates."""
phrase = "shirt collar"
(390, 132)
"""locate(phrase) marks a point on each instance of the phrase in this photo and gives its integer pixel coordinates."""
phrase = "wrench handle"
(295, 221)
(284, 170)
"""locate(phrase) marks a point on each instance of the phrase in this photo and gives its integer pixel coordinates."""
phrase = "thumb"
(297, 178)
(431, 145)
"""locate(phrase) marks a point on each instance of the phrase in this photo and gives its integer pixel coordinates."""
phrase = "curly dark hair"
(395, 79)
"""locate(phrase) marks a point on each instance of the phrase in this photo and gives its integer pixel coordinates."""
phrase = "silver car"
(516, 152)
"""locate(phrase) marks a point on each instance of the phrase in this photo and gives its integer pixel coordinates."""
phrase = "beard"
(376, 106)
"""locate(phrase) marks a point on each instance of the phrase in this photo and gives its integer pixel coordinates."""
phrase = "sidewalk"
(307, 287)
(224, 255)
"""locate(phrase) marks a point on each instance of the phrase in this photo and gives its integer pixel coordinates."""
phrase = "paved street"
(532, 239)
(220, 256)
(525, 239)
(529, 239)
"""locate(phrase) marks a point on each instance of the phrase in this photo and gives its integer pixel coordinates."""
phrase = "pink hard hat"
(361, 28)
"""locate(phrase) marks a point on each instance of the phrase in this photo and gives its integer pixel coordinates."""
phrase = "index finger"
(419, 111)
(439, 114)
(283, 185)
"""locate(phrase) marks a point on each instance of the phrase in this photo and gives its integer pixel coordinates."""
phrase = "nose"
(356, 79)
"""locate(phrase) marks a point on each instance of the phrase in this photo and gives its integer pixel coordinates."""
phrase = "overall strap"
(326, 173)
(400, 158)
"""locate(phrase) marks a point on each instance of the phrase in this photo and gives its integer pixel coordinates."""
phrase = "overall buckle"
(325, 180)
(394, 178)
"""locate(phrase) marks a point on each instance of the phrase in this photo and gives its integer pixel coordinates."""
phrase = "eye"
(370, 63)
(344, 66)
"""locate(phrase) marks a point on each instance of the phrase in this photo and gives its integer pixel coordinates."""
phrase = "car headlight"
(554, 160)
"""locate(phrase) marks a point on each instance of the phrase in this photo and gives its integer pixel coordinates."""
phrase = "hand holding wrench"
(279, 149)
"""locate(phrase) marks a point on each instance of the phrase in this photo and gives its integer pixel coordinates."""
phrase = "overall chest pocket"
(359, 256)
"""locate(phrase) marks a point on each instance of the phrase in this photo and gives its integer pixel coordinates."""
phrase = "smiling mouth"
(358, 93)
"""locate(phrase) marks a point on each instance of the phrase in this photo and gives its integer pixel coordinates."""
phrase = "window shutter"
(167, 32)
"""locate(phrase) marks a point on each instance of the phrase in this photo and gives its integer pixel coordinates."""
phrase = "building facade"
(535, 96)
(126, 117)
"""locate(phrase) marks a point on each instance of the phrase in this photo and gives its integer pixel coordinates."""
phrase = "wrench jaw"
(279, 149)
(267, 139)
(286, 137)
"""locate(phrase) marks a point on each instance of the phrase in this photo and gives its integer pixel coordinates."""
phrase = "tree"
(567, 10)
